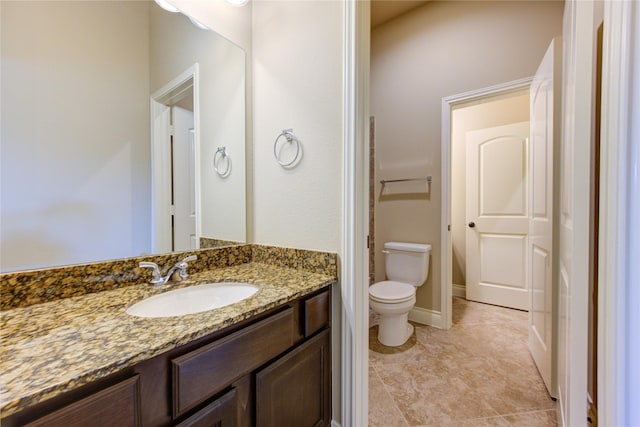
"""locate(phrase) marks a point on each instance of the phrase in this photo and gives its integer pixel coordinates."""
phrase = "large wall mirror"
(115, 116)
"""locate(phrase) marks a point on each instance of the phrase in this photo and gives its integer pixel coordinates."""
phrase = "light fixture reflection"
(237, 2)
(167, 6)
(198, 24)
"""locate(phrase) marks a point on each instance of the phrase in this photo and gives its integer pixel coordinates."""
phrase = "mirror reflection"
(112, 114)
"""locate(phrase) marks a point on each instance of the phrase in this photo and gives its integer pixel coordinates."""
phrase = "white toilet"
(407, 267)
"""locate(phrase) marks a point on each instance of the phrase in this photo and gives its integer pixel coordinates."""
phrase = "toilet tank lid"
(410, 247)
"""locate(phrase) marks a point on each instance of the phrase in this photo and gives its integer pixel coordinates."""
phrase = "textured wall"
(297, 83)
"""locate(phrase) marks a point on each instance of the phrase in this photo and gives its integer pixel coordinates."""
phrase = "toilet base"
(394, 330)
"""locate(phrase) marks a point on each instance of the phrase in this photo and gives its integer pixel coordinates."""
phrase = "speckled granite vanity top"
(51, 347)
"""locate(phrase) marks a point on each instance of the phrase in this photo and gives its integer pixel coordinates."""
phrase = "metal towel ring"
(220, 155)
(288, 134)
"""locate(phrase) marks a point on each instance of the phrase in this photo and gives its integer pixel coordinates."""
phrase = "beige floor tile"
(480, 422)
(469, 375)
(432, 394)
(442, 344)
(473, 312)
(410, 352)
(383, 411)
(509, 386)
(490, 340)
(533, 419)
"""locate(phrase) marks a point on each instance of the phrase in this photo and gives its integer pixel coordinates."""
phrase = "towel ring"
(219, 156)
(290, 137)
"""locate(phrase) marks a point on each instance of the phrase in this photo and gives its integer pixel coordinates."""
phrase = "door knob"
(472, 224)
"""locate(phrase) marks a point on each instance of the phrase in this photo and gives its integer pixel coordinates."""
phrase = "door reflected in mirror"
(81, 179)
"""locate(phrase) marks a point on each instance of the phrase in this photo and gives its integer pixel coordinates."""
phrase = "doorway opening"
(174, 165)
(488, 173)
(465, 110)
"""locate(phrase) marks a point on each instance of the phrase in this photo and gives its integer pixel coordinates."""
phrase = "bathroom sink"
(193, 299)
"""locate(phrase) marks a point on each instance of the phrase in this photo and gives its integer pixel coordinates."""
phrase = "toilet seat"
(392, 292)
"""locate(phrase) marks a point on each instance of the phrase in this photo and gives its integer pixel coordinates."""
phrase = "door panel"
(161, 237)
(510, 249)
(541, 228)
(539, 282)
(501, 180)
(497, 215)
(184, 194)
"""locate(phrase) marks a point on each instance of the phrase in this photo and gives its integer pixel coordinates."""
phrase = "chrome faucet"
(179, 270)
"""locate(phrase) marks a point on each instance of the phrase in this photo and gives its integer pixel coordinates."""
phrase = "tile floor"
(479, 373)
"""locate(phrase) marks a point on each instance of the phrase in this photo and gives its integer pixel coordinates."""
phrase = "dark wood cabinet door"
(222, 412)
(115, 406)
(295, 391)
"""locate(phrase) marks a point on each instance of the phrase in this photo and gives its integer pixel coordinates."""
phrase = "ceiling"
(385, 10)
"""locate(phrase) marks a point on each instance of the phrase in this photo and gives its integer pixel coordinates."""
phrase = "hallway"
(479, 373)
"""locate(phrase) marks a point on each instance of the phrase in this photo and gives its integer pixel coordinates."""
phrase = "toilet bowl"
(407, 267)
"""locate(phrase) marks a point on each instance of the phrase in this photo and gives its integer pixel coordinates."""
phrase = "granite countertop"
(49, 348)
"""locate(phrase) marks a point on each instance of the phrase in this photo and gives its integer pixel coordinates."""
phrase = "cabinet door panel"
(296, 389)
(115, 406)
(220, 413)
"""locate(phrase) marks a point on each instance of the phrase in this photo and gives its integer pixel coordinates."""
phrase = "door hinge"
(172, 130)
(172, 209)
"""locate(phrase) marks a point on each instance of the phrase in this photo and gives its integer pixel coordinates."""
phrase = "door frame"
(448, 103)
(161, 159)
(619, 241)
(354, 271)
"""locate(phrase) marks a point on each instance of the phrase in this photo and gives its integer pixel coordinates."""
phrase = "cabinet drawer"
(200, 374)
(222, 412)
(317, 312)
(118, 405)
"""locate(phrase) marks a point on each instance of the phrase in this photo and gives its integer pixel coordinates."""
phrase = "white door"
(184, 218)
(541, 252)
(162, 212)
(497, 215)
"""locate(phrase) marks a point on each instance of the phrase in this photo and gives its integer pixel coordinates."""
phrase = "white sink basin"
(194, 299)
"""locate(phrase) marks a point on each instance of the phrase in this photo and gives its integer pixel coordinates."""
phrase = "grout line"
(527, 412)
(393, 400)
(485, 418)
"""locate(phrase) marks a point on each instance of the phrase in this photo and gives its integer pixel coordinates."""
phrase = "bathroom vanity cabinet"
(270, 370)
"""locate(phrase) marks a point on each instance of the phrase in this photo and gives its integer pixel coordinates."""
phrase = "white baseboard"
(426, 317)
(459, 290)
(334, 423)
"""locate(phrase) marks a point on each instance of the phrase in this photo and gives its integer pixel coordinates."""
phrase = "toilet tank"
(407, 262)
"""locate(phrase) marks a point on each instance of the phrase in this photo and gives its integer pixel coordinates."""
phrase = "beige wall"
(176, 45)
(75, 127)
(491, 112)
(234, 24)
(297, 83)
(438, 50)
(75, 179)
